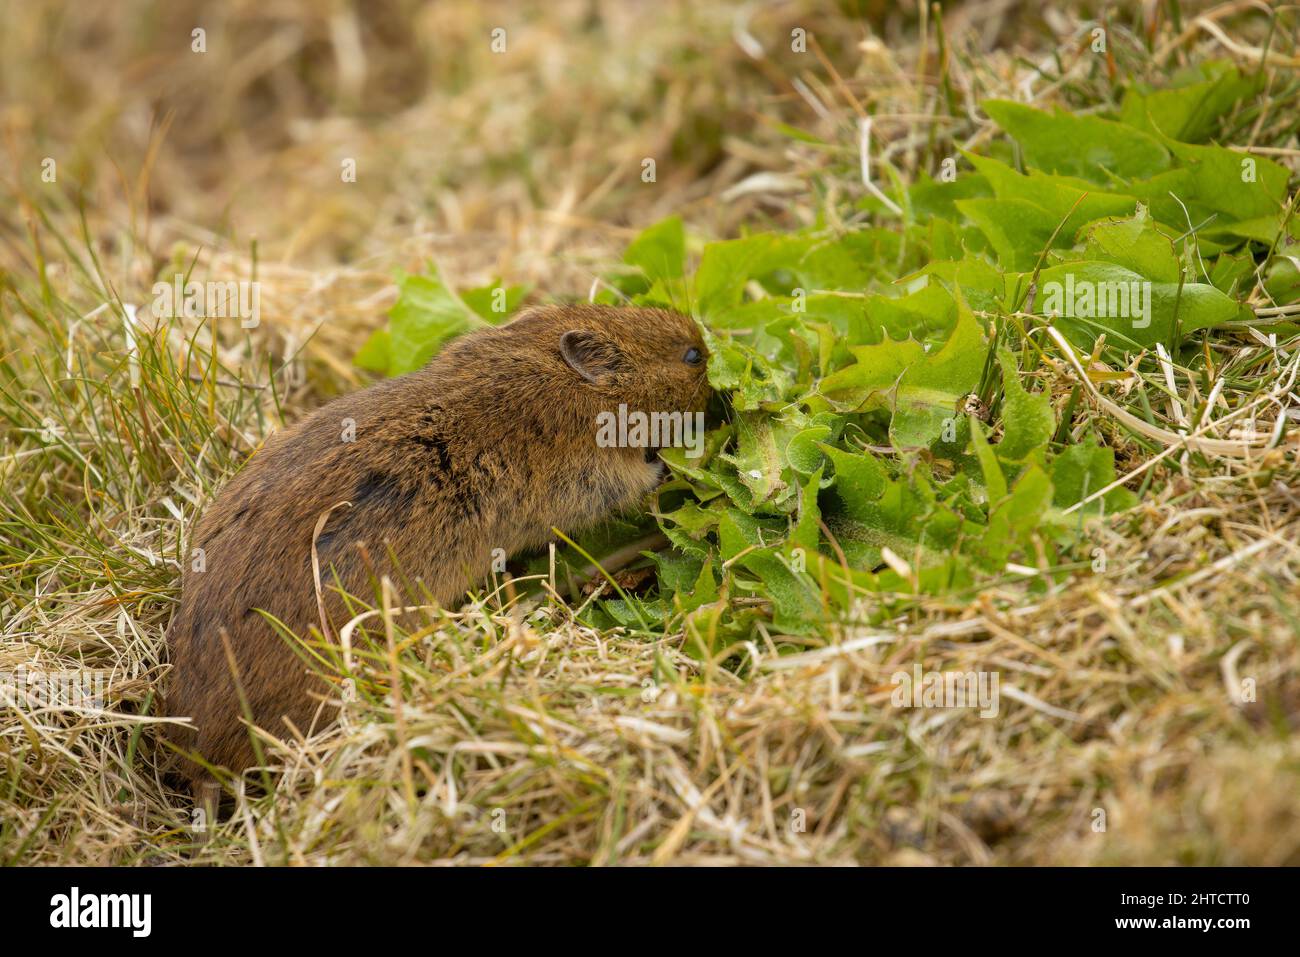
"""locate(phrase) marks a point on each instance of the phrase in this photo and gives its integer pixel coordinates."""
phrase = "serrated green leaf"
(1222, 192)
(494, 303)
(1191, 110)
(374, 353)
(1087, 147)
(427, 313)
(1017, 230)
(726, 267)
(930, 390)
(796, 600)
(1135, 244)
(807, 533)
(1027, 420)
(1083, 470)
(659, 250)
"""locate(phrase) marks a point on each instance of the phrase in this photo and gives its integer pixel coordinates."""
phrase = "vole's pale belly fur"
(442, 468)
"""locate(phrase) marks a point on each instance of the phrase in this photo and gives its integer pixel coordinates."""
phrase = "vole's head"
(651, 360)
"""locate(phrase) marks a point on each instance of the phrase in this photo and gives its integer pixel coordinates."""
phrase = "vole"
(487, 447)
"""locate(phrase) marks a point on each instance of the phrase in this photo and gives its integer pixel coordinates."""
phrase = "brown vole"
(486, 447)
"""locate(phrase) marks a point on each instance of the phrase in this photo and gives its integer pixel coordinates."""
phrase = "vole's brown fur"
(488, 446)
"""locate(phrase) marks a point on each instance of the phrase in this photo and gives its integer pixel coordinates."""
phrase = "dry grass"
(506, 732)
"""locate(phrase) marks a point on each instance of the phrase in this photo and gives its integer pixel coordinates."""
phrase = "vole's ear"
(594, 357)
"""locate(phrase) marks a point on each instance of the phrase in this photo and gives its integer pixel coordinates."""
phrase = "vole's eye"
(693, 356)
